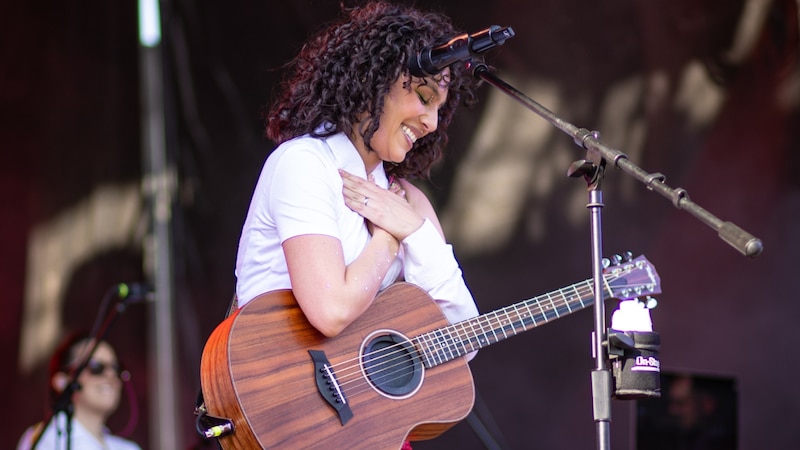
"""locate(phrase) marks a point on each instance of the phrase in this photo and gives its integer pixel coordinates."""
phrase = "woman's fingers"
(357, 191)
(386, 208)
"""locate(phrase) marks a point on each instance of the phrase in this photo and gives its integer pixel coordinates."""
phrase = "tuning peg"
(616, 259)
(606, 263)
(650, 302)
(628, 256)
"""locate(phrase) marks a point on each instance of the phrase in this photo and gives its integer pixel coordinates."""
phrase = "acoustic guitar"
(397, 373)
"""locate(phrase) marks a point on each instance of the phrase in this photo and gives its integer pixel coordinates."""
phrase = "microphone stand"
(593, 169)
(63, 402)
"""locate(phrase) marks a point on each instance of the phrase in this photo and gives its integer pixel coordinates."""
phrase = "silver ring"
(366, 199)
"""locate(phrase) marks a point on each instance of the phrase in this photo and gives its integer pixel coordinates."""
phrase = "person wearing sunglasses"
(95, 398)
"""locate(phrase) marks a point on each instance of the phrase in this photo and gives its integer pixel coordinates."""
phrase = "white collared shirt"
(299, 191)
(55, 438)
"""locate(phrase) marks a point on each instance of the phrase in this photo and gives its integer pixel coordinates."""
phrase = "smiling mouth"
(410, 134)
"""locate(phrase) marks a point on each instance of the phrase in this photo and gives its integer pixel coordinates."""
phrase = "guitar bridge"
(328, 386)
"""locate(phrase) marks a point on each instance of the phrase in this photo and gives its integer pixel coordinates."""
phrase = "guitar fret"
(491, 338)
(555, 308)
(509, 322)
(590, 288)
(437, 357)
(456, 340)
(482, 341)
(423, 349)
(476, 337)
(443, 344)
(530, 314)
(428, 353)
(466, 338)
(462, 339)
(551, 313)
(542, 313)
(485, 337)
(529, 317)
(516, 311)
(566, 301)
(517, 320)
(578, 294)
(493, 327)
(499, 325)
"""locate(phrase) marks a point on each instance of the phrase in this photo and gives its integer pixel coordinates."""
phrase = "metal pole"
(158, 186)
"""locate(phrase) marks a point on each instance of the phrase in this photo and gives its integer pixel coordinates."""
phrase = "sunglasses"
(98, 368)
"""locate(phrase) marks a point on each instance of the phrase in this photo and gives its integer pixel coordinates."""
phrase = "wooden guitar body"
(257, 371)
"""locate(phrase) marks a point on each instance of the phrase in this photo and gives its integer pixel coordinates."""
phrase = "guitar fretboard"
(445, 344)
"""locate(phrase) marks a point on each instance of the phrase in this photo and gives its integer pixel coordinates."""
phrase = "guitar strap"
(234, 305)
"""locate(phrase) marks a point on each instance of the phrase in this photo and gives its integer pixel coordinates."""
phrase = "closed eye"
(431, 95)
(425, 101)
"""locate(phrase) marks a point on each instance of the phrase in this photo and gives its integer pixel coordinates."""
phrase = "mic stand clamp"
(636, 367)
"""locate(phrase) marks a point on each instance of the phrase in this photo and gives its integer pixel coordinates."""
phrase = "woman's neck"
(94, 423)
(370, 158)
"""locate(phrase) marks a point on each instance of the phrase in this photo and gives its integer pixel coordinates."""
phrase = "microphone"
(430, 61)
(135, 292)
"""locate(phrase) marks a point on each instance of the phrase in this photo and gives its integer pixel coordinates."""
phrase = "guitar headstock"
(628, 278)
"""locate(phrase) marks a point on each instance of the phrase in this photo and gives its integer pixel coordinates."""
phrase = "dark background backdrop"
(705, 92)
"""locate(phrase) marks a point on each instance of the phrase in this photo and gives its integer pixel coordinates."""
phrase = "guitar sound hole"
(392, 365)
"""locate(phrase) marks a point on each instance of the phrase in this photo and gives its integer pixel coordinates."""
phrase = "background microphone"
(135, 292)
(430, 61)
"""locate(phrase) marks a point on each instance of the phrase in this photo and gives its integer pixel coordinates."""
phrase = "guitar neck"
(445, 344)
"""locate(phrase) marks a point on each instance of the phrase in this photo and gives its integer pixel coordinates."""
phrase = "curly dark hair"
(347, 68)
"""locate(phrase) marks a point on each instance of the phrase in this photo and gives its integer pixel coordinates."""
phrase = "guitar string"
(431, 349)
(492, 324)
(348, 375)
(444, 359)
